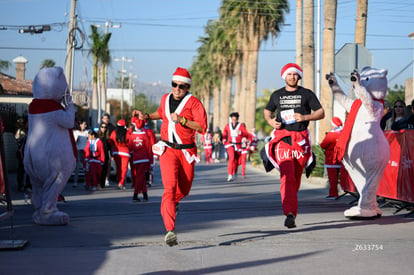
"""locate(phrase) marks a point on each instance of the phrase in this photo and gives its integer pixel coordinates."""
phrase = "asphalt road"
(222, 228)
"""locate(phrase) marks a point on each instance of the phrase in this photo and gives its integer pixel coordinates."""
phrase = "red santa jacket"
(207, 140)
(94, 151)
(140, 146)
(232, 136)
(328, 145)
(119, 148)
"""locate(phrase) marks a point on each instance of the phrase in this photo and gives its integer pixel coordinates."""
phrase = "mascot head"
(50, 83)
(375, 81)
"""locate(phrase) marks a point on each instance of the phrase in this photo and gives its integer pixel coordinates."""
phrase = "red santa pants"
(208, 152)
(121, 163)
(177, 177)
(291, 164)
(242, 162)
(233, 162)
(138, 177)
(93, 175)
(333, 176)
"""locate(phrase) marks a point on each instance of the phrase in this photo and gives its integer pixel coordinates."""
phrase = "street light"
(123, 59)
(411, 36)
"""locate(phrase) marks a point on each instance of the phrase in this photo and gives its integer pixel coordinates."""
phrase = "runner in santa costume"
(290, 149)
(332, 166)
(118, 140)
(233, 133)
(182, 116)
(140, 145)
(207, 141)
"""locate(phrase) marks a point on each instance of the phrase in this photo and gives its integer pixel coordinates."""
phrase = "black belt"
(179, 146)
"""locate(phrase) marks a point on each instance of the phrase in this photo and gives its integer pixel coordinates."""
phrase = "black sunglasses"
(104, 127)
(181, 86)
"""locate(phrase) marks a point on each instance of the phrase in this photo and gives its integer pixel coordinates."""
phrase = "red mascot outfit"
(332, 167)
(94, 159)
(233, 134)
(207, 140)
(140, 146)
(120, 151)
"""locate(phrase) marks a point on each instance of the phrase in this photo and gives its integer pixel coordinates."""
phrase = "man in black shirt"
(289, 111)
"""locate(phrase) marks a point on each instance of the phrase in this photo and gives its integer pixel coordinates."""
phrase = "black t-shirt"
(285, 103)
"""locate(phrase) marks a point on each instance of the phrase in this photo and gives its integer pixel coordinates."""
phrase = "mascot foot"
(54, 218)
(362, 214)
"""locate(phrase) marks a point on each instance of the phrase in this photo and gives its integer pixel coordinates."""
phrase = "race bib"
(288, 116)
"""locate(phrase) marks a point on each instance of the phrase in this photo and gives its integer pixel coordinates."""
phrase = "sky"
(160, 35)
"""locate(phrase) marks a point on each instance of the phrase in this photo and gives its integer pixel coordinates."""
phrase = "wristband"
(183, 121)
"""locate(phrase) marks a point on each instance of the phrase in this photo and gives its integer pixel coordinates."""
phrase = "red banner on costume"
(398, 180)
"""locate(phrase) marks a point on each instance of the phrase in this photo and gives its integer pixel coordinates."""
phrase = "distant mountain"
(154, 91)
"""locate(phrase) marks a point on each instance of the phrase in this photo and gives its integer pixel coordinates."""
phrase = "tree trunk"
(94, 104)
(299, 32)
(309, 53)
(225, 100)
(216, 107)
(328, 58)
(361, 22)
(250, 119)
(103, 89)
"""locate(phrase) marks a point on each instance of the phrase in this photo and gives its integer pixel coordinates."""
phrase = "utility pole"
(108, 24)
(123, 59)
(70, 46)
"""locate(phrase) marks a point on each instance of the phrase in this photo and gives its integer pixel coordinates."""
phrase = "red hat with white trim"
(182, 75)
(121, 122)
(336, 121)
(291, 67)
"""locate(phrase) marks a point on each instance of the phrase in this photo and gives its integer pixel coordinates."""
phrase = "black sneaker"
(290, 221)
(145, 196)
(135, 198)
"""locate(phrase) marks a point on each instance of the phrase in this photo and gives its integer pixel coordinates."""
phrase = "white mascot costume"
(50, 157)
(362, 146)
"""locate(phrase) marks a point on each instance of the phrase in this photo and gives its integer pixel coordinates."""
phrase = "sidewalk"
(222, 228)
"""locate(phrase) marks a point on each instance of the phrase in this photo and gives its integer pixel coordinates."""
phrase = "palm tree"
(254, 20)
(99, 50)
(361, 22)
(328, 57)
(4, 65)
(47, 63)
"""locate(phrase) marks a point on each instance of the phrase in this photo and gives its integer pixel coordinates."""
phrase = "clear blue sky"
(162, 34)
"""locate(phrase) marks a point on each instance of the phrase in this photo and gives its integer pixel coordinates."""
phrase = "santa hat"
(121, 122)
(336, 122)
(291, 67)
(182, 75)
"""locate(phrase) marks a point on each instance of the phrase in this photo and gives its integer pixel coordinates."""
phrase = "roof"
(11, 86)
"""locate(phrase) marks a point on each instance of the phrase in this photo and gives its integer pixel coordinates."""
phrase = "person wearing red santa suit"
(140, 146)
(94, 160)
(243, 157)
(253, 141)
(207, 141)
(182, 116)
(233, 133)
(289, 111)
(332, 167)
(118, 140)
